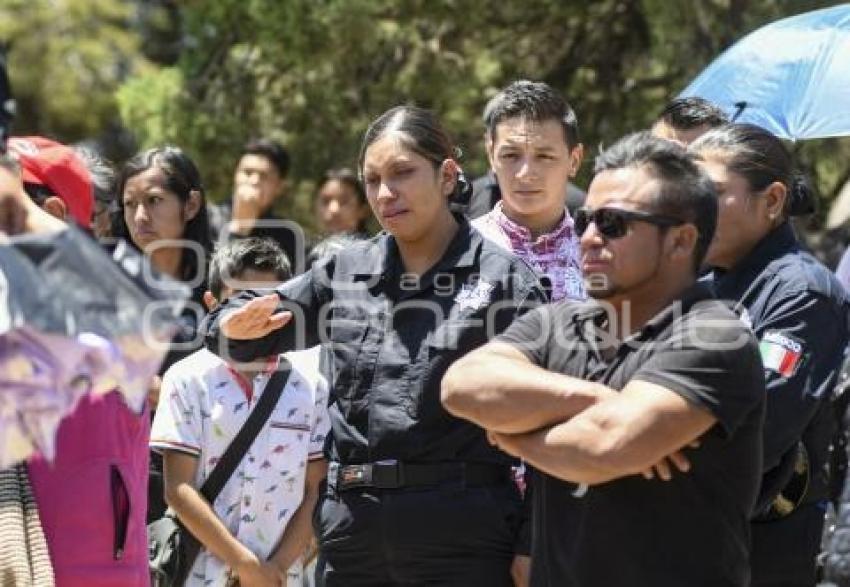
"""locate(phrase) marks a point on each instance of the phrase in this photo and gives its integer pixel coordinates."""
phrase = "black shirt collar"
(385, 258)
(697, 292)
(775, 244)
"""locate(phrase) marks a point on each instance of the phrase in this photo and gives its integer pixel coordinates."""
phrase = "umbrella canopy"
(791, 77)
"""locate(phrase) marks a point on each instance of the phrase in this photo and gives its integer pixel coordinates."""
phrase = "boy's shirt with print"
(556, 254)
(203, 404)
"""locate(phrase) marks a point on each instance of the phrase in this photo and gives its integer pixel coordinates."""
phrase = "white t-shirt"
(203, 404)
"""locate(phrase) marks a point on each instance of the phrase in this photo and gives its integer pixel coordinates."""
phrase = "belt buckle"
(355, 475)
(387, 474)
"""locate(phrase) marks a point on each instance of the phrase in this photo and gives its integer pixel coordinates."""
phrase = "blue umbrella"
(791, 77)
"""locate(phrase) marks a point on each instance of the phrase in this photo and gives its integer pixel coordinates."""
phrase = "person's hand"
(663, 469)
(153, 391)
(247, 207)
(521, 570)
(255, 319)
(257, 574)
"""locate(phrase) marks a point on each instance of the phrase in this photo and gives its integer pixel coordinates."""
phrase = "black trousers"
(449, 535)
(156, 489)
(784, 551)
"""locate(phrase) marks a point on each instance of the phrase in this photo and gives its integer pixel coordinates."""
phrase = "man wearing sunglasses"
(601, 396)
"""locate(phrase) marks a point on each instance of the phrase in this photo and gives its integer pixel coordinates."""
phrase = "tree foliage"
(313, 73)
(66, 59)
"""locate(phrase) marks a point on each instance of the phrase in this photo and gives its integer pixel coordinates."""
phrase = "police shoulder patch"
(780, 352)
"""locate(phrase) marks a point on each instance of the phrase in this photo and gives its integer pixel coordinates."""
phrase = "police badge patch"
(474, 297)
(780, 353)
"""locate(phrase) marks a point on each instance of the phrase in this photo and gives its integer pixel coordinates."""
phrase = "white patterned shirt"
(203, 404)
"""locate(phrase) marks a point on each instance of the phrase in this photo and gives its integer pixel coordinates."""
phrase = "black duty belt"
(395, 475)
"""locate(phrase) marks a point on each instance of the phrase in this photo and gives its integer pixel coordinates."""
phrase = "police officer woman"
(799, 312)
(414, 495)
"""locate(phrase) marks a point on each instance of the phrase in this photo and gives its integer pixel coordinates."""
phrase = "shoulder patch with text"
(780, 353)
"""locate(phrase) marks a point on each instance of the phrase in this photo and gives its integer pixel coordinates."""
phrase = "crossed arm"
(572, 429)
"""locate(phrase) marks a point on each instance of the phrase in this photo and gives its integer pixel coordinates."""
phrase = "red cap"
(57, 167)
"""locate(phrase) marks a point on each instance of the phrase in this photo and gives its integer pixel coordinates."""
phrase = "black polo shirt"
(393, 337)
(799, 313)
(692, 530)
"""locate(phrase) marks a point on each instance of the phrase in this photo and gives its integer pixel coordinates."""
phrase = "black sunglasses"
(614, 222)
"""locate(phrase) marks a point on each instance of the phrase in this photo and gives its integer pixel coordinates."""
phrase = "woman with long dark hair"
(162, 212)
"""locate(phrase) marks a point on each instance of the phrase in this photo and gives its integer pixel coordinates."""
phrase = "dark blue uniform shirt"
(799, 313)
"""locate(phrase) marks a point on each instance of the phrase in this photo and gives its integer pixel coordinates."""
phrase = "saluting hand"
(255, 319)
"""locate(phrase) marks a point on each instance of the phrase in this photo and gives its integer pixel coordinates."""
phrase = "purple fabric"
(556, 254)
(43, 377)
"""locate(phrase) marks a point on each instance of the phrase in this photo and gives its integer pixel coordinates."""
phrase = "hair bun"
(463, 190)
(801, 196)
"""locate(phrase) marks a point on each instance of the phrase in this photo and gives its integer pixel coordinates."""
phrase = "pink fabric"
(74, 495)
(555, 254)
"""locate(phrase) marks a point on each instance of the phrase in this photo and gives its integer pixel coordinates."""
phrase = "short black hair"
(271, 150)
(238, 255)
(535, 101)
(692, 112)
(687, 193)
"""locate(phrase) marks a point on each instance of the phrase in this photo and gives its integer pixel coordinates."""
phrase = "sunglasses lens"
(609, 223)
(581, 220)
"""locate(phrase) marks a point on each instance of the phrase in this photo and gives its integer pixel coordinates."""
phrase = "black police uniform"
(414, 495)
(690, 531)
(799, 313)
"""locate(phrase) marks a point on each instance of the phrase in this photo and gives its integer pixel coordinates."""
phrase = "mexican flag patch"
(780, 353)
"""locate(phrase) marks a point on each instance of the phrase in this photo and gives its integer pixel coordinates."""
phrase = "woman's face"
(408, 196)
(152, 212)
(742, 216)
(338, 208)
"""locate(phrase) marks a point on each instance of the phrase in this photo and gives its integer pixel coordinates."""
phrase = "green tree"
(66, 60)
(313, 73)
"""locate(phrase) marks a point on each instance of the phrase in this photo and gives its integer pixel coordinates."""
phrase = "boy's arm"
(299, 530)
(199, 518)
